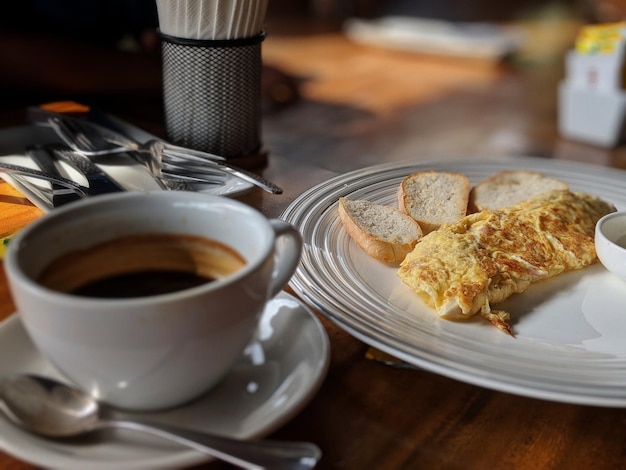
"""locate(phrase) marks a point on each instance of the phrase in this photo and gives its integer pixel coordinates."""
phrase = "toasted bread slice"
(510, 187)
(383, 232)
(433, 198)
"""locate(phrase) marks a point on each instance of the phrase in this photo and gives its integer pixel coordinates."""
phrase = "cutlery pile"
(61, 189)
(165, 161)
(101, 137)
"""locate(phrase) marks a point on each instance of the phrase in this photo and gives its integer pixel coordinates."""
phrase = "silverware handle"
(25, 171)
(250, 177)
(254, 455)
(43, 159)
(38, 116)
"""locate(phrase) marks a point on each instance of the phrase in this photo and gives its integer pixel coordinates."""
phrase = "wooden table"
(362, 106)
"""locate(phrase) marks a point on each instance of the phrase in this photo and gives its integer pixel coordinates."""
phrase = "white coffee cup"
(158, 351)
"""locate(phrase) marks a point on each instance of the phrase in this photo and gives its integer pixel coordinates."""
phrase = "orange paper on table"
(65, 107)
(16, 211)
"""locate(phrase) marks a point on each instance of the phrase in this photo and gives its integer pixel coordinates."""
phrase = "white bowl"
(610, 241)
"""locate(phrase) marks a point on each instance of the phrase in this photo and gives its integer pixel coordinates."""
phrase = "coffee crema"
(141, 265)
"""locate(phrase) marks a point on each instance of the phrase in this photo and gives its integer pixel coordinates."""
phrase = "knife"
(99, 181)
(45, 160)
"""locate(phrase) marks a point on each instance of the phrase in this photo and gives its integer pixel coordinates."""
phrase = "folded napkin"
(483, 41)
(15, 212)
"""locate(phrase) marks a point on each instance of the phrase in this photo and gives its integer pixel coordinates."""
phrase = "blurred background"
(334, 70)
(54, 48)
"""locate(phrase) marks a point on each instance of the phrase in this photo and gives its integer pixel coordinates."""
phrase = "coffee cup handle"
(287, 248)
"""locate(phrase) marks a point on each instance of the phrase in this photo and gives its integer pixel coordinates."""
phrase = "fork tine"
(185, 152)
(181, 185)
(226, 167)
(191, 168)
(184, 175)
(175, 155)
(193, 179)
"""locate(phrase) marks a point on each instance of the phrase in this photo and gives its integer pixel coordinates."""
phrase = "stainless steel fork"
(163, 159)
(87, 145)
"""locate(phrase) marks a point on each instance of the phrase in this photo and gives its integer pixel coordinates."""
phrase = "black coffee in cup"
(141, 265)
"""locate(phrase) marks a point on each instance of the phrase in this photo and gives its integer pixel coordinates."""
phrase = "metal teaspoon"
(53, 409)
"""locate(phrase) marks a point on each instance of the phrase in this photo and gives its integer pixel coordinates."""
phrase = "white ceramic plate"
(280, 371)
(122, 168)
(571, 330)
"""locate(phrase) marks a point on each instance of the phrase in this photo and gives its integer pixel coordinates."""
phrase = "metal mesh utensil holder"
(212, 94)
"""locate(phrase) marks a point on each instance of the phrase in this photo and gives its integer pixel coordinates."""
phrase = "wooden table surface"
(361, 106)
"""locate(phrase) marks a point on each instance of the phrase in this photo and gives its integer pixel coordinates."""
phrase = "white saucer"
(280, 371)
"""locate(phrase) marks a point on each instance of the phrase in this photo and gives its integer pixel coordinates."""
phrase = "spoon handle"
(253, 455)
